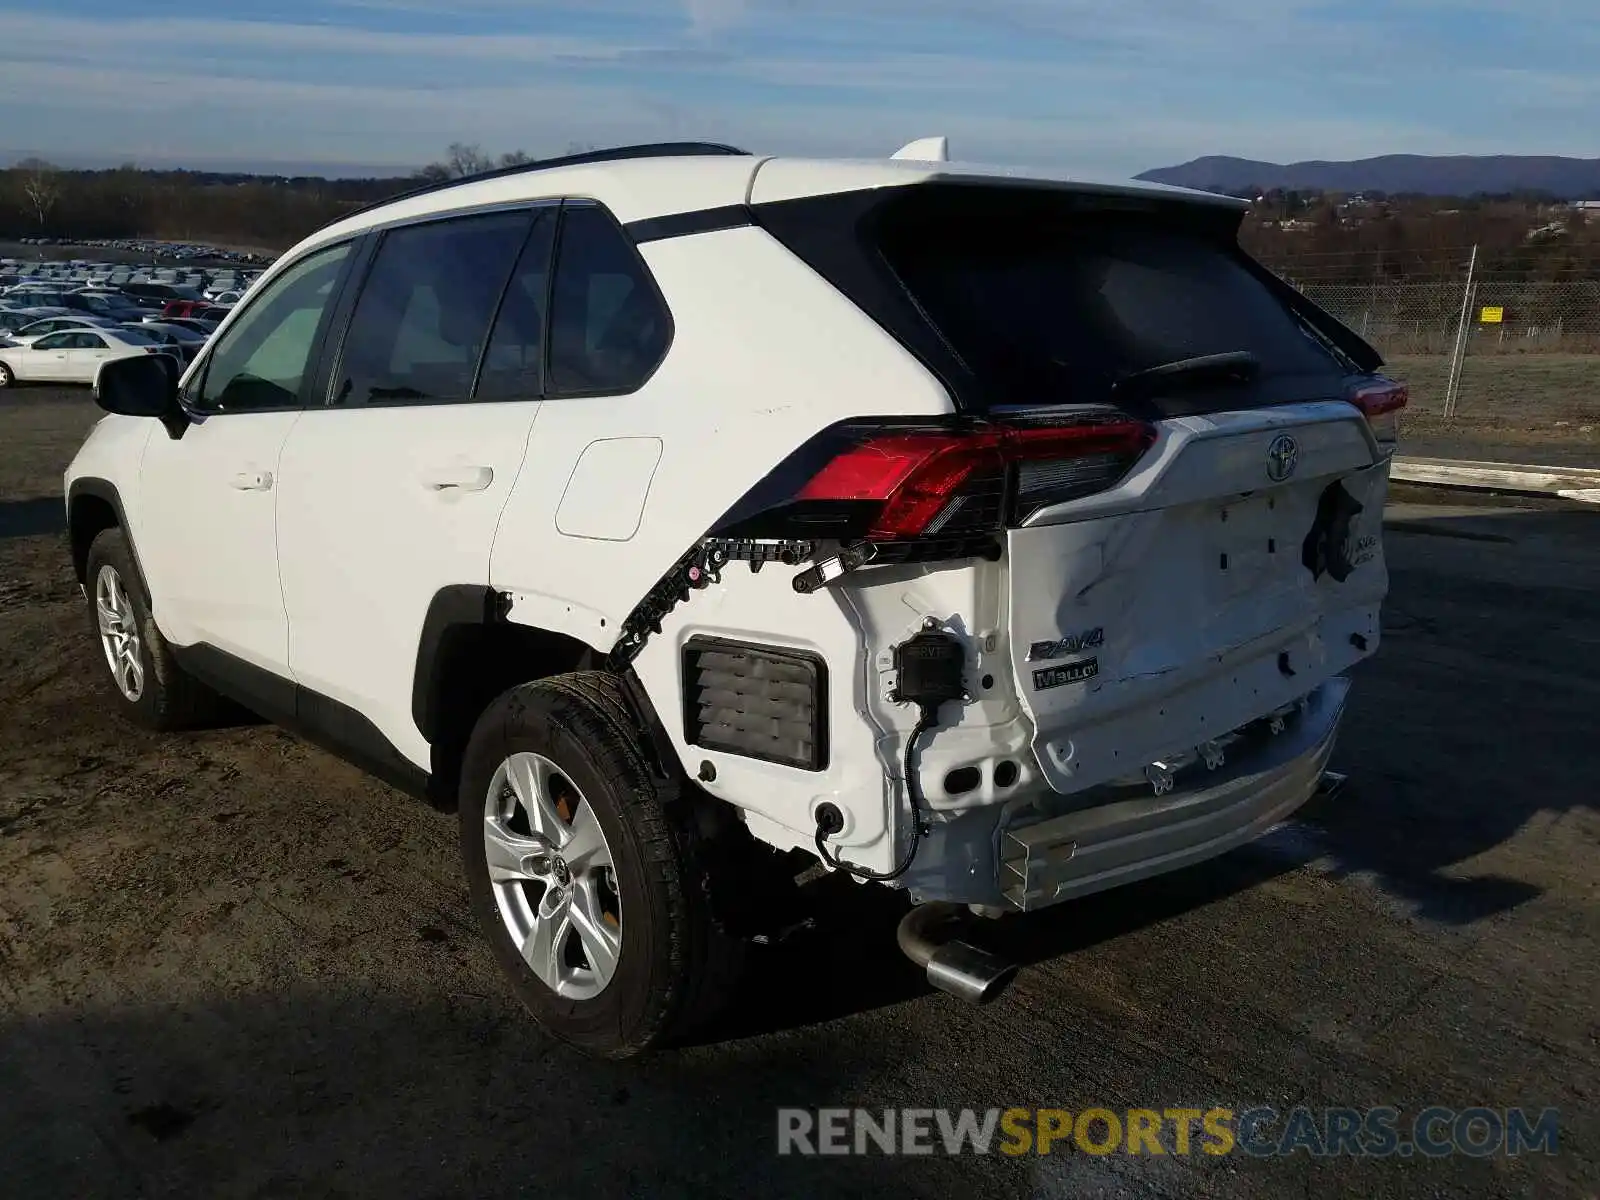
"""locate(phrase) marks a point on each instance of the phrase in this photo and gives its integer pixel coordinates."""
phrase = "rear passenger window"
(608, 326)
(423, 316)
(513, 366)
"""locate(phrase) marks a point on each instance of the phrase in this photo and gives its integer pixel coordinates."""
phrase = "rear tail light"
(943, 488)
(1380, 401)
(911, 479)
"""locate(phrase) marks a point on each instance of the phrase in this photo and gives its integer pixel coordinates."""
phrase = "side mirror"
(142, 385)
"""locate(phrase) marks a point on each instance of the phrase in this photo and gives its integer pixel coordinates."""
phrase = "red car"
(184, 308)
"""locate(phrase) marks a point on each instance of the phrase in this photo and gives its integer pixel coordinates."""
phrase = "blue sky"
(1111, 87)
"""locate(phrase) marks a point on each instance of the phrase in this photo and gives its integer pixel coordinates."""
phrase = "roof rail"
(616, 154)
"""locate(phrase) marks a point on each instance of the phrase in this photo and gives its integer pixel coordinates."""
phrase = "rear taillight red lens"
(912, 477)
(1380, 401)
(942, 484)
(1380, 398)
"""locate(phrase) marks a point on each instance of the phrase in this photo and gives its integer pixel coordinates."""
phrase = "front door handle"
(253, 481)
(460, 479)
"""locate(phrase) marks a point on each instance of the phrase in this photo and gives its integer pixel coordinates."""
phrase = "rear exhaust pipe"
(962, 970)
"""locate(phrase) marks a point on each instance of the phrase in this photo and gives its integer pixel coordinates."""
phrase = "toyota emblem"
(1283, 456)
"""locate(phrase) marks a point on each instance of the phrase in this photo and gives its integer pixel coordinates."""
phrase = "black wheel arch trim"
(477, 604)
(106, 492)
(454, 605)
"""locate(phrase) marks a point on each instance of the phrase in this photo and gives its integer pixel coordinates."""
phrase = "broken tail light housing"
(928, 490)
(1380, 401)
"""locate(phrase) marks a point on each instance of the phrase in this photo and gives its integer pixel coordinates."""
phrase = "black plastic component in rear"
(930, 667)
(762, 702)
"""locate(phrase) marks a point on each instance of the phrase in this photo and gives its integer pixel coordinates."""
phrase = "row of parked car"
(220, 285)
(178, 250)
(54, 335)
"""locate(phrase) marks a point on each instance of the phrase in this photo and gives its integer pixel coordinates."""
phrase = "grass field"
(1508, 402)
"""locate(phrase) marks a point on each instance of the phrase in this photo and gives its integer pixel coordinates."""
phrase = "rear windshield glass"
(1052, 302)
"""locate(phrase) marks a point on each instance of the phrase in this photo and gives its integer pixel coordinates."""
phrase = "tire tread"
(700, 964)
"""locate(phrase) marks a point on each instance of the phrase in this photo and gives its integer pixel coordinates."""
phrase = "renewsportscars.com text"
(1255, 1132)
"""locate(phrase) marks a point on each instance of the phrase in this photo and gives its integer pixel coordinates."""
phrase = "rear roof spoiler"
(928, 149)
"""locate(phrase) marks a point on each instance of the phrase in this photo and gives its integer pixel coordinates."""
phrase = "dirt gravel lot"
(231, 966)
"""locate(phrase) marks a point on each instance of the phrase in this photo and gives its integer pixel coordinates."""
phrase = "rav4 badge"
(1067, 646)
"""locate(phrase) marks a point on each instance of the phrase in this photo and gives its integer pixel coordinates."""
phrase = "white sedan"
(72, 355)
(28, 334)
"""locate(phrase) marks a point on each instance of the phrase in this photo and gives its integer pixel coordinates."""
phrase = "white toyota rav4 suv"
(677, 515)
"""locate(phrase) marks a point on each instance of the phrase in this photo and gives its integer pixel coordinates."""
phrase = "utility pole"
(1458, 356)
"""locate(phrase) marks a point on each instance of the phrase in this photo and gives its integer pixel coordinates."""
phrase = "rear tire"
(673, 965)
(147, 684)
(6, 377)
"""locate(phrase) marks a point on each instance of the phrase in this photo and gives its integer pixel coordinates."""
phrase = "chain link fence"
(1489, 355)
(1423, 317)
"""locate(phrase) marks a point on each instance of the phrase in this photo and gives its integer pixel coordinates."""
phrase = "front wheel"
(590, 891)
(149, 687)
(6, 377)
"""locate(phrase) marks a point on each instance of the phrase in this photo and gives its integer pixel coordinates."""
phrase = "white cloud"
(367, 123)
(1108, 88)
(711, 16)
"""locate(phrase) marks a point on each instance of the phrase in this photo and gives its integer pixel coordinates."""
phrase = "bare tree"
(126, 187)
(581, 148)
(41, 184)
(463, 160)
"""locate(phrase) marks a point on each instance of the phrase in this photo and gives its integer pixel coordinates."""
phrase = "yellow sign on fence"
(1492, 316)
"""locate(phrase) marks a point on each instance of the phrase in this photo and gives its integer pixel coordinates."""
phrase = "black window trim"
(332, 351)
(650, 279)
(189, 394)
(332, 359)
(544, 312)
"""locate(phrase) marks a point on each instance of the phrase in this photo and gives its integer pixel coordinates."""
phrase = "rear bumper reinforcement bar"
(1127, 839)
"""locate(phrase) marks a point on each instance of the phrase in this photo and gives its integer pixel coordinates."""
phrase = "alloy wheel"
(553, 875)
(119, 633)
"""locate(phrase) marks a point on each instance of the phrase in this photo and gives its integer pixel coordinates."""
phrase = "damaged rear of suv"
(1104, 606)
(681, 516)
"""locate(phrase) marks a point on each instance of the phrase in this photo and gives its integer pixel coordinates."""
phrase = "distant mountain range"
(1564, 178)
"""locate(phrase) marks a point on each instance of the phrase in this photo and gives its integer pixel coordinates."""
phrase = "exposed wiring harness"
(926, 720)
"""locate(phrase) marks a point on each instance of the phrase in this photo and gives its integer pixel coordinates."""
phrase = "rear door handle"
(460, 479)
(253, 481)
